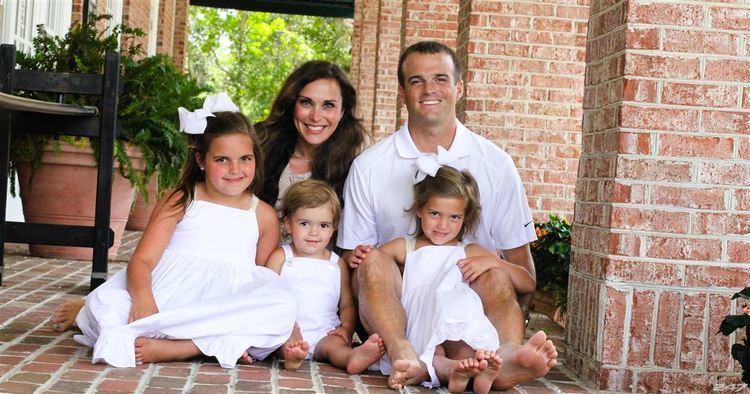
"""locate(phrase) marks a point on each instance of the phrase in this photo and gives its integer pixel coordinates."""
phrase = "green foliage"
(250, 54)
(551, 253)
(730, 324)
(152, 89)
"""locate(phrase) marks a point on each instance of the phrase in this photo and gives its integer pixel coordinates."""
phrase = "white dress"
(207, 288)
(439, 305)
(317, 284)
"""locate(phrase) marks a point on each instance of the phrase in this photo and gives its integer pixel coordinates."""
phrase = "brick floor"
(35, 359)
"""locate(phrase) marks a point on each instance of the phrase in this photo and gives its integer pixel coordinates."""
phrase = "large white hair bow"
(429, 164)
(195, 122)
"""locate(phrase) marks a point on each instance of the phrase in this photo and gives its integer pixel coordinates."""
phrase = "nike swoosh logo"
(527, 224)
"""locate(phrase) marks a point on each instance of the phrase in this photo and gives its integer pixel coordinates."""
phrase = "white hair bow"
(195, 122)
(429, 164)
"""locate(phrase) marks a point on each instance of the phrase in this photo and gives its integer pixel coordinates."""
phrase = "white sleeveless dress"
(317, 284)
(207, 288)
(440, 306)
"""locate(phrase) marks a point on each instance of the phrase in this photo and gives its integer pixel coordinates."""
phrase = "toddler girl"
(445, 319)
(192, 286)
(320, 279)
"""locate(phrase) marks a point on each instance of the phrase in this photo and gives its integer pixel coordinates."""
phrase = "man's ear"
(459, 89)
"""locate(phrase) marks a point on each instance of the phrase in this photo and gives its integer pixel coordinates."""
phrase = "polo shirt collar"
(460, 147)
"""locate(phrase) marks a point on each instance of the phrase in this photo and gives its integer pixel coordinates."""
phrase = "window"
(20, 18)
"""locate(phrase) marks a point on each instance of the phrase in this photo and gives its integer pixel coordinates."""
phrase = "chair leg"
(4, 164)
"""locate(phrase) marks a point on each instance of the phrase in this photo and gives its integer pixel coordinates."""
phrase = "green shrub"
(551, 253)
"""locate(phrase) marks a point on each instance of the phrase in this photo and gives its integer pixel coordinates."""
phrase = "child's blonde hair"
(310, 193)
(449, 182)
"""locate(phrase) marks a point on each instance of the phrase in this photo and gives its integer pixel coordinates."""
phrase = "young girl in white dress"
(326, 314)
(445, 319)
(192, 286)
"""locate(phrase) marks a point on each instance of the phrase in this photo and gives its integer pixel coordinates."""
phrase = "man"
(378, 192)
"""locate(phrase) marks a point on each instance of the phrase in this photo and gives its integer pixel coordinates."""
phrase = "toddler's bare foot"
(295, 352)
(363, 356)
(245, 359)
(150, 350)
(483, 380)
(64, 316)
(462, 371)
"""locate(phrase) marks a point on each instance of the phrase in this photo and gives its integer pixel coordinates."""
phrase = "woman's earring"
(202, 169)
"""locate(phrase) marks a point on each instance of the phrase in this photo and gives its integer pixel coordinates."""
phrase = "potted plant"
(551, 253)
(152, 89)
(730, 324)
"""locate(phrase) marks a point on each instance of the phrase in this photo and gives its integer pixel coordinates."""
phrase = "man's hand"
(141, 309)
(341, 332)
(472, 267)
(358, 255)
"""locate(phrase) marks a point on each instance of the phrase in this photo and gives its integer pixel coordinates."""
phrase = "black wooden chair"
(22, 115)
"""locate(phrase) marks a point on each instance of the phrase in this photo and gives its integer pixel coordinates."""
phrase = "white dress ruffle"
(207, 288)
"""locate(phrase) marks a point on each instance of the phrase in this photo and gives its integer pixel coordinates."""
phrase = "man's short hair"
(430, 47)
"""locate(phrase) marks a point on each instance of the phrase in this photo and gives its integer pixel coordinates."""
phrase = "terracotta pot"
(63, 191)
(544, 303)
(141, 211)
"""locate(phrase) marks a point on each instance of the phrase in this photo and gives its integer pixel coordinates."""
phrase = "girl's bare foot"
(462, 371)
(295, 352)
(64, 316)
(363, 356)
(245, 359)
(150, 350)
(483, 380)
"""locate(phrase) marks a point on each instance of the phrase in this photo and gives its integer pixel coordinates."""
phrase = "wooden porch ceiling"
(330, 8)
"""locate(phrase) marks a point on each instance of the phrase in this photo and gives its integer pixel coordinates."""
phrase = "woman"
(311, 132)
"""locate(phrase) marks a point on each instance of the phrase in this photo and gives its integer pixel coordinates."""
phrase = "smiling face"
(430, 90)
(317, 111)
(311, 230)
(441, 219)
(229, 166)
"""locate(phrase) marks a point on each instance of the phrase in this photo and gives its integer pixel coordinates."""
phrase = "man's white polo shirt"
(378, 192)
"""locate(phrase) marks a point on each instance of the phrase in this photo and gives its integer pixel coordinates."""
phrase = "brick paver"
(35, 359)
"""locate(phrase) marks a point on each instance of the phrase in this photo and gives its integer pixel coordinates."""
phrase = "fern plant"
(152, 89)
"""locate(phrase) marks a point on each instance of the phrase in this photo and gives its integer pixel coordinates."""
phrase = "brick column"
(137, 14)
(364, 57)
(165, 30)
(663, 196)
(180, 32)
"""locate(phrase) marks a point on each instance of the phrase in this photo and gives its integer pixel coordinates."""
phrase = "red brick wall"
(137, 14)
(524, 79)
(180, 32)
(661, 216)
(165, 33)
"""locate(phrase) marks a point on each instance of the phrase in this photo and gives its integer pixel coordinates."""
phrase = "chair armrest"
(16, 103)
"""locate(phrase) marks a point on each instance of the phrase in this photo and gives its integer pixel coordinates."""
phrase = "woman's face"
(317, 111)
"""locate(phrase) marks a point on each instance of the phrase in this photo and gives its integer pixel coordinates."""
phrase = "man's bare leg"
(64, 317)
(377, 283)
(520, 362)
(150, 350)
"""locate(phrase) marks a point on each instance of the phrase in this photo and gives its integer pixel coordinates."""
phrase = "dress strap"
(288, 254)
(253, 203)
(334, 259)
(410, 243)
